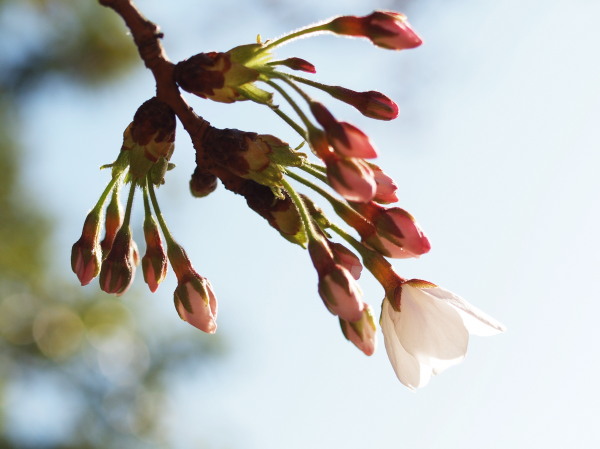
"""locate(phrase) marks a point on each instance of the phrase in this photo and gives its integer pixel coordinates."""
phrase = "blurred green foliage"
(108, 367)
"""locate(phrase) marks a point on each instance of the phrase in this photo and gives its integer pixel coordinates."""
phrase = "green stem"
(106, 192)
(286, 118)
(291, 102)
(315, 84)
(294, 35)
(286, 79)
(129, 206)
(345, 212)
(304, 214)
(161, 221)
(316, 172)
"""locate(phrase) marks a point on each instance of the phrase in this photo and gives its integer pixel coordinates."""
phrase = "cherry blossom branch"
(146, 36)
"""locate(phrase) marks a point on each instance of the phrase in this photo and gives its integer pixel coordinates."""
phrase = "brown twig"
(146, 36)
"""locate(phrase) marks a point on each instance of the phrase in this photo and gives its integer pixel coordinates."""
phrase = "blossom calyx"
(223, 77)
(362, 333)
(386, 29)
(86, 253)
(259, 157)
(149, 140)
(430, 330)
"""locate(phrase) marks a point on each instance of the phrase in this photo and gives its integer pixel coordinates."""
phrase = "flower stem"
(107, 190)
(295, 35)
(316, 171)
(304, 214)
(286, 78)
(344, 211)
(159, 216)
(286, 118)
(291, 102)
(129, 206)
(315, 84)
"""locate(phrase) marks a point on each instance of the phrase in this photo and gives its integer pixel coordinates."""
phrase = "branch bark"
(147, 36)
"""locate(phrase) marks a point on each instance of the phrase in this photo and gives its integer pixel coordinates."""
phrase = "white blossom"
(431, 331)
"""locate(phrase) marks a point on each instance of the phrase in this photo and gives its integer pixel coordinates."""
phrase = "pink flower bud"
(385, 29)
(346, 258)
(362, 332)
(298, 64)
(397, 233)
(194, 298)
(371, 104)
(341, 294)
(154, 262)
(118, 269)
(112, 223)
(337, 288)
(86, 254)
(196, 302)
(346, 139)
(386, 187)
(351, 177)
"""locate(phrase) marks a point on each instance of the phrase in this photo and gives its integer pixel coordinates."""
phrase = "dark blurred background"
(94, 363)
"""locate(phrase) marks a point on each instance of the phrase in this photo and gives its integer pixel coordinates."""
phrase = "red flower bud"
(385, 29)
(346, 258)
(118, 269)
(397, 234)
(298, 64)
(361, 333)
(337, 287)
(351, 177)
(194, 298)
(346, 139)
(86, 254)
(385, 192)
(196, 302)
(112, 223)
(371, 104)
(154, 262)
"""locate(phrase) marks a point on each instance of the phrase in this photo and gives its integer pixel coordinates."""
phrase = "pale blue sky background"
(496, 153)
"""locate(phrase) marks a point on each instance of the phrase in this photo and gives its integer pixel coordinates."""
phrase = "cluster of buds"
(261, 168)
(148, 143)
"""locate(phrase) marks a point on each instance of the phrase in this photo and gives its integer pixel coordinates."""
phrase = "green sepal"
(256, 94)
(158, 171)
(300, 238)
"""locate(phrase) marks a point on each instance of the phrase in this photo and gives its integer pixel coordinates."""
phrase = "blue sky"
(495, 152)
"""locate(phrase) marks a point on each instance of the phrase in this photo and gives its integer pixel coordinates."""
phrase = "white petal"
(408, 370)
(431, 330)
(476, 321)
